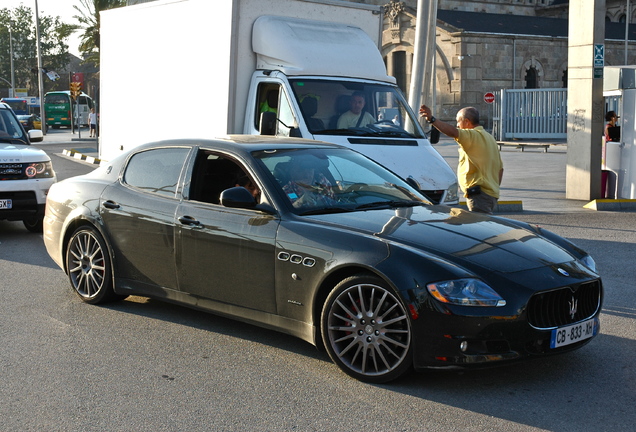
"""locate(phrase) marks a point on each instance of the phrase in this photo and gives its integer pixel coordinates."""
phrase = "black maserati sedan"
(318, 241)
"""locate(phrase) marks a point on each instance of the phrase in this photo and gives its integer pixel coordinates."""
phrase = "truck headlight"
(465, 292)
(451, 193)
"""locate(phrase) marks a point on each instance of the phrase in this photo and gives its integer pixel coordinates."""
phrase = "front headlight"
(589, 262)
(451, 194)
(40, 170)
(465, 292)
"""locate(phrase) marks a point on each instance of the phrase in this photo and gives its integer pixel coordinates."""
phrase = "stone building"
(489, 45)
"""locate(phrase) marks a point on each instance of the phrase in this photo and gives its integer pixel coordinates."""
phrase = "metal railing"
(530, 114)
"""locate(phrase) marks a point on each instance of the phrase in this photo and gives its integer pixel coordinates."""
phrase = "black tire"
(89, 267)
(366, 330)
(34, 225)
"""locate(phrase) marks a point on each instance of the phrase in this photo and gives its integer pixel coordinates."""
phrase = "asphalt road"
(145, 365)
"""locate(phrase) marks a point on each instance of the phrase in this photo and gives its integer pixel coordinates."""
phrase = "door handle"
(110, 205)
(189, 220)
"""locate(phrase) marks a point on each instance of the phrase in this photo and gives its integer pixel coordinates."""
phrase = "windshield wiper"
(12, 140)
(389, 204)
(327, 210)
(333, 132)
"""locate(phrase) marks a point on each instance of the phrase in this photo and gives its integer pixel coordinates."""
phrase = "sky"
(62, 8)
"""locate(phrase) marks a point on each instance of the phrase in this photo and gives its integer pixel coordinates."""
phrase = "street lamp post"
(40, 79)
(627, 19)
(11, 56)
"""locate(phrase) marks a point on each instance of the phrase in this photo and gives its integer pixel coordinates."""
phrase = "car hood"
(13, 153)
(457, 235)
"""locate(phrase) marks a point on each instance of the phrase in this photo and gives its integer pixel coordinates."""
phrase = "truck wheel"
(34, 224)
(89, 267)
(366, 330)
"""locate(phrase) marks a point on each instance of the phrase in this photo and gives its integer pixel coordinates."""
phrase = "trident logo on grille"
(574, 305)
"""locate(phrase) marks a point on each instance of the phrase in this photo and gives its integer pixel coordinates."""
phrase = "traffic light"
(76, 89)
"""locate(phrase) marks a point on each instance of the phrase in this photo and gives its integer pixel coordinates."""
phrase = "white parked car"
(26, 173)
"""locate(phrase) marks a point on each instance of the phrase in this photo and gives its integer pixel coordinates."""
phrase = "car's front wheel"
(366, 330)
(89, 267)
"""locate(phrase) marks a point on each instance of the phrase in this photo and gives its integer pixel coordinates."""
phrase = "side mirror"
(36, 135)
(268, 123)
(414, 183)
(237, 197)
(434, 135)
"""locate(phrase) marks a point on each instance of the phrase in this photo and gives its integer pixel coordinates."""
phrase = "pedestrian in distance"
(480, 168)
(92, 121)
(611, 130)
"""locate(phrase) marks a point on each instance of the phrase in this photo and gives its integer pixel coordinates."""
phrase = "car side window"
(157, 170)
(213, 173)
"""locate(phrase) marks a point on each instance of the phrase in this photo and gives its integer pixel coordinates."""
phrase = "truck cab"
(340, 93)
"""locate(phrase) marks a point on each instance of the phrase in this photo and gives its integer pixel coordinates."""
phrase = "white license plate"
(6, 204)
(575, 333)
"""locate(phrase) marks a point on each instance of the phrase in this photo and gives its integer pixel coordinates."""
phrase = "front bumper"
(495, 344)
(466, 337)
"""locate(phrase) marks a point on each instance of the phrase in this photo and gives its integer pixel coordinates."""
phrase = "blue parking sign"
(599, 55)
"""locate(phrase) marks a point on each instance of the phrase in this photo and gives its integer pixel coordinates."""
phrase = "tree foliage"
(89, 22)
(53, 43)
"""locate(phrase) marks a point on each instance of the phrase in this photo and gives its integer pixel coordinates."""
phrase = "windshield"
(332, 107)
(10, 129)
(19, 106)
(336, 180)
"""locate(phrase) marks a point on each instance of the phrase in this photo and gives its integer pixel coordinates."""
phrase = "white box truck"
(301, 68)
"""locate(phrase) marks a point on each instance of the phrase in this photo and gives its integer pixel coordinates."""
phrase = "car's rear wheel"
(89, 267)
(366, 330)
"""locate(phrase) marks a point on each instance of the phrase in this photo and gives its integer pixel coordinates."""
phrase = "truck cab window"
(286, 126)
(267, 101)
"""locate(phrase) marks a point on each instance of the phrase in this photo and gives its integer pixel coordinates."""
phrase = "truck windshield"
(333, 107)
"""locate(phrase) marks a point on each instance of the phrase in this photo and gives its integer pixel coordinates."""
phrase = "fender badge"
(563, 272)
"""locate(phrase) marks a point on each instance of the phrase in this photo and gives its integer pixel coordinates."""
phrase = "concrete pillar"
(586, 32)
(389, 63)
(409, 70)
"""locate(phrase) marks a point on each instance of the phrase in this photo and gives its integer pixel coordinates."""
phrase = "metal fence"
(530, 114)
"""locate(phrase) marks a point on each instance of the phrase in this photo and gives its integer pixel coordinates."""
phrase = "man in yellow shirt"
(480, 168)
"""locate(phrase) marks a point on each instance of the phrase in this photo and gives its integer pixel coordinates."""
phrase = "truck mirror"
(267, 124)
(434, 135)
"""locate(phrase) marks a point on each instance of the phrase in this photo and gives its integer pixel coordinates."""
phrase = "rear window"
(156, 171)
(56, 99)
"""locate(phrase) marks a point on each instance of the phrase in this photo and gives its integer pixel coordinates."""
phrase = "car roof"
(247, 143)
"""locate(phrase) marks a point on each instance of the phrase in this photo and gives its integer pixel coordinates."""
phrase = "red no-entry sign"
(489, 97)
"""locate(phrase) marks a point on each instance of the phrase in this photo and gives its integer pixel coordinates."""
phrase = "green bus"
(57, 106)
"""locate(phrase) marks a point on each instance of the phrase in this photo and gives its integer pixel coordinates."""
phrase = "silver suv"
(26, 173)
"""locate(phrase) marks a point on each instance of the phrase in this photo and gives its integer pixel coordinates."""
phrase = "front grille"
(434, 195)
(564, 306)
(12, 171)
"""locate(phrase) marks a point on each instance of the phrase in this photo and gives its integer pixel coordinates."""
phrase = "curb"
(76, 155)
(611, 204)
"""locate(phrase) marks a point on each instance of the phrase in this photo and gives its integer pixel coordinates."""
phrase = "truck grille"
(434, 195)
(12, 171)
(564, 306)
